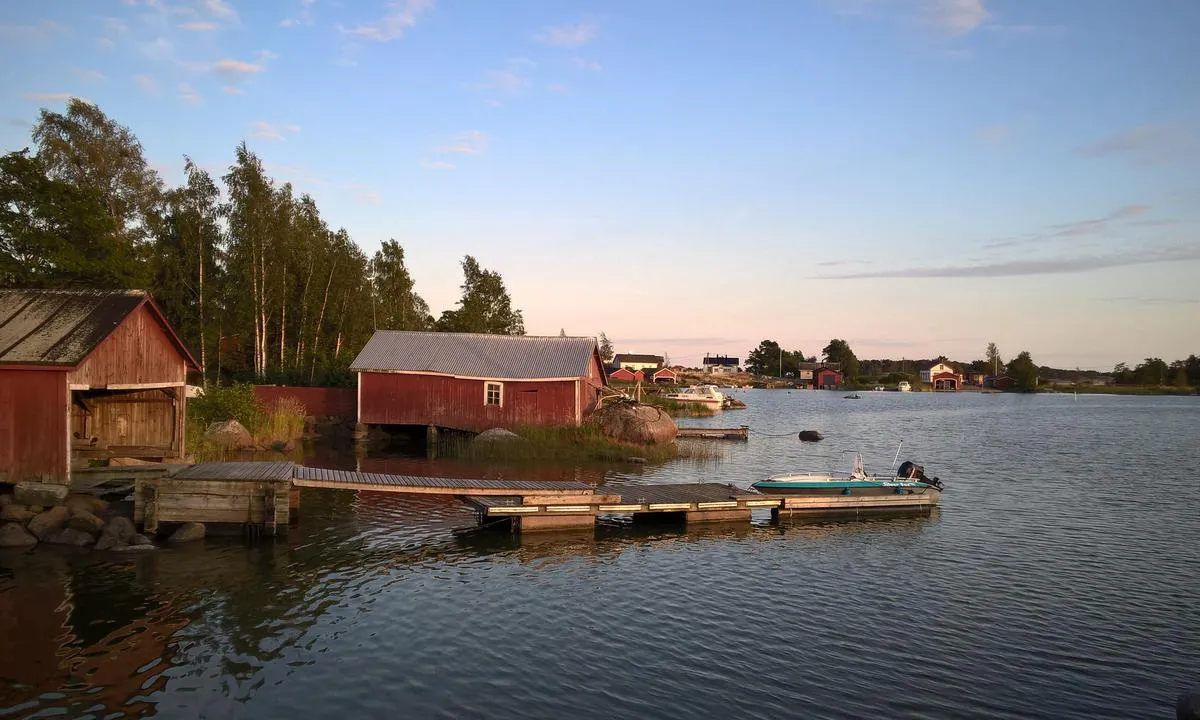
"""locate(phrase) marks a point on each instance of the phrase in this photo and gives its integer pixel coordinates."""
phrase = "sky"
(917, 177)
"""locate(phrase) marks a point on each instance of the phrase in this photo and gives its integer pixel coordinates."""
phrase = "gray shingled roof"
(511, 357)
(59, 327)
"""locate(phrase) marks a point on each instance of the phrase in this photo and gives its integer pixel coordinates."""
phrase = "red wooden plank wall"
(341, 403)
(402, 399)
(138, 351)
(33, 426)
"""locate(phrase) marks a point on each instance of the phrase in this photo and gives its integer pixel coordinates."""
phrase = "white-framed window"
(493, 393)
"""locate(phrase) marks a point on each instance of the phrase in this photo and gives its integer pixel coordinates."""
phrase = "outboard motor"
(909, 470)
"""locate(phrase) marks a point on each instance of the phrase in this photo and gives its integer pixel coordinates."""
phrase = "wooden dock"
(737, 433)
(266, 495)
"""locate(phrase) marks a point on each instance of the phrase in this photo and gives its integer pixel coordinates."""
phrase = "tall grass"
(282, 422)
(274, 426)
(678, 409)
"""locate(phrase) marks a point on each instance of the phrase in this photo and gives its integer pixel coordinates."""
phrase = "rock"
(85, 503)
(48, 522)
(811, 436)
(69, 536)
(140, 540)
(118, 531)
(16, 513)
(283, 446)
(85, 522)
(495, 435)
(1187, 706)
(15, 536)
(6, 499)
(636, 460)
(45, 494)
(187, 532)
(230, 434)
(635, 423)
(132, 548)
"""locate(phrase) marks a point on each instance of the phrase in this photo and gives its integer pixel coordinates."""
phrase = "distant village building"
(631, 361)
(942, 376)
(87, 373)
(468, 381)
(827, 378)
(664, 376)
(720, 364)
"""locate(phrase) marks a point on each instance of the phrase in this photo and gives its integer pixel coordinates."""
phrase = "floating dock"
(266, 495)
(737, 433)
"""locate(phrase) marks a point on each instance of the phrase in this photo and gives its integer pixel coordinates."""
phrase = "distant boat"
(903, 386)
(706, 395)
(852, 396)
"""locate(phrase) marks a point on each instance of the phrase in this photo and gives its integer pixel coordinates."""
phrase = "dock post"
(431, 441)
(150, 508)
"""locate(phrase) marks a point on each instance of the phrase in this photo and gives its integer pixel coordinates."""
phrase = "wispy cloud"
(146, 84)
(954, 17)
(233, 90)
(1150, 300)
(574, 35)
(1145, 143)
(1075, 229)
(365, 195)
(268, 131)
(508, 81)
(585, 64)
(50, 97)
(17, 123)
(558, 88)
(303, 17)
(189, 95)
(401, 16)
(199, 26)
(220, 8)
(89, 74)
(994, 134)
(471, 142)
(1037, 266)
(236, 68)
(437, 165)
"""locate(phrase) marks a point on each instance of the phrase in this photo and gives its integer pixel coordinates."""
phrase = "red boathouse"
(468, 381)
(87, 372)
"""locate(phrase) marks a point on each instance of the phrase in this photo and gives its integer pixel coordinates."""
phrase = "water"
(1058, 579)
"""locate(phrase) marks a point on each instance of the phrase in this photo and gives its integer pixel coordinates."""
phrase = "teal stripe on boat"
(833, 484)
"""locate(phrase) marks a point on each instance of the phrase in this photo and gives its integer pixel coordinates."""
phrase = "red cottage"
(468, 381)
(87, 372)
(827, 379)
(623, 374)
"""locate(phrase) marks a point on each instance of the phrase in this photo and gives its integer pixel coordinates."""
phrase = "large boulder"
(85, 522)
(50, 521)
(7, 499)
(13, 535)
(495, 435)
(118, 531)
(85, 503)
(635, 423)
(811, 436)
(16, 513)
(187, 532)
(44, 494)
(229, 433)
(69, 536)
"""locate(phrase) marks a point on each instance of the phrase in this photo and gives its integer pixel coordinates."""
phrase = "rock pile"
(76, 520)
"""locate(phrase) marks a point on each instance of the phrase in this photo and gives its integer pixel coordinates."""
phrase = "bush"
(231, 402)
(282, 422)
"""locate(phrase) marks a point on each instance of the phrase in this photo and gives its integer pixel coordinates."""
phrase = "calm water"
(1059, 579)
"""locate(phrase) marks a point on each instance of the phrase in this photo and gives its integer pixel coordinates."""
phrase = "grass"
(274, 426)
(677, 409)
(571, 444)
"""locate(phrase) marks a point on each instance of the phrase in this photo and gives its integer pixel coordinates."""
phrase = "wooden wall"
(33, 426)
(410, 399)
(139, 418)
(341, 403)
(137, 352)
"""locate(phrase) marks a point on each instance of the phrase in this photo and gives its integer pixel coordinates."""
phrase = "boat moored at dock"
(706, 395)
(811, 492)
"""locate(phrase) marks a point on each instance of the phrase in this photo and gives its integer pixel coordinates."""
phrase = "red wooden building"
(468, 381)
(827, 378)
(88, 372)
(624, 374)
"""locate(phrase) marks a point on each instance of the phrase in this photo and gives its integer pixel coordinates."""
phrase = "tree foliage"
(606, 349)
(839, 351)
(1023, 371)
(993, 364)
(258, 286)
(770, 359)
(485, 306)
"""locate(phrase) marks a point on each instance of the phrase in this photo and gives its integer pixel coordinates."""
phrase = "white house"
(942, 376)
(720, 364)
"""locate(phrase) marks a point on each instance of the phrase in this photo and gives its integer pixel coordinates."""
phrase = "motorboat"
(852, 396)
(706, 395)
(907, 487)
(903, 386)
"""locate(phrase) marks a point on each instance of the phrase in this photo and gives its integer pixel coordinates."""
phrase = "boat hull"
(808, 505)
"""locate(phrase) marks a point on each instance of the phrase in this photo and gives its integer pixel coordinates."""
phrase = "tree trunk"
(316, 341)
(303, 316)
(203, 354)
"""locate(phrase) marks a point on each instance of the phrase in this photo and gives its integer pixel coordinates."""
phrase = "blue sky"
(919, 177)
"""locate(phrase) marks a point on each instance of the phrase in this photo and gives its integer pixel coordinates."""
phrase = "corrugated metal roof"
(59, 327)
(635, 358)
(512, 357)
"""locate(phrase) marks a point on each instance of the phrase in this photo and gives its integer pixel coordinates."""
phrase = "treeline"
(257, 283)
(769, 358)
